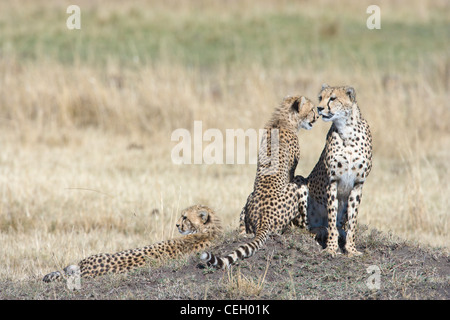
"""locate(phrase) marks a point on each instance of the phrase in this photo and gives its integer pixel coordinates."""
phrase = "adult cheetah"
(276, 199)
(198, 224)
(335, 184)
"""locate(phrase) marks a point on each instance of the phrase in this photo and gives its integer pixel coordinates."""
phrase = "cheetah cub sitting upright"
(335, 184)
(276, 199)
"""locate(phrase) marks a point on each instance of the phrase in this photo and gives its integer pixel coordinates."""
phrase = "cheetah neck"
(344, 125)
(280, 123)
(213, 230)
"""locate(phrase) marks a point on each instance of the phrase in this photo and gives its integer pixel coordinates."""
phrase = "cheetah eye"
(320, 98)
(332, 98)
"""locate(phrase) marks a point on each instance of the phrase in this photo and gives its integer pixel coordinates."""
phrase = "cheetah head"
(335, 102)
(301, 112)
(195, 219)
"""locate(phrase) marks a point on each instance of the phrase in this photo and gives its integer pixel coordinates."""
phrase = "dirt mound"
(290, 266)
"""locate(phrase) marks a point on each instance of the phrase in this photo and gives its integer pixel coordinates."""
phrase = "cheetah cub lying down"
(335, 184)
(276, 199)
(198, 224)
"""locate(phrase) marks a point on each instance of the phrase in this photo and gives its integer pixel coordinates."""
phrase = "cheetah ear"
(302, 101)
(203, 215)
(295, 105)
(351, 93)
(324, 86)
(298, 103)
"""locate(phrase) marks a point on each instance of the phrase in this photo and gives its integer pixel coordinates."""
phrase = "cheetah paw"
(353, 253)
(330, 252)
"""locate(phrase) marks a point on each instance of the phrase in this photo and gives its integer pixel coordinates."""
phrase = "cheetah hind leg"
(53, 276)
(69, 271)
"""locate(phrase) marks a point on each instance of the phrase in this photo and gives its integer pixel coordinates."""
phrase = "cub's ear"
(302, 101)
(324, 86)
(351, 93)
(295, 105)
(203, 215)
(298, 103)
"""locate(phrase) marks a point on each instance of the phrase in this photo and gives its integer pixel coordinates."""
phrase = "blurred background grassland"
(87, 115)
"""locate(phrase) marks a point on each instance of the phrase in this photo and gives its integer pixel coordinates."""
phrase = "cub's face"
(335, 102)
(193, 220)
(302, 112)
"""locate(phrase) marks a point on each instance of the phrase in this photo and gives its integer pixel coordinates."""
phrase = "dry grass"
(238, 285)
(85, 161)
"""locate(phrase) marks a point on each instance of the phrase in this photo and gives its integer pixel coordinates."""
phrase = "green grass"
(205, 40)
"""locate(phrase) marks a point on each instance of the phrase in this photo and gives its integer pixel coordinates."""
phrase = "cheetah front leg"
(242, 225)
(332, 207)
(242, 221)
(301, 220)
(354, 201)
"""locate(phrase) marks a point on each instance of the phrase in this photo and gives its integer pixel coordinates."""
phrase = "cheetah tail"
(244, 251)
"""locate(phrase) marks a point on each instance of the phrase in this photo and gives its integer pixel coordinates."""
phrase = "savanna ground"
(87, 117)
